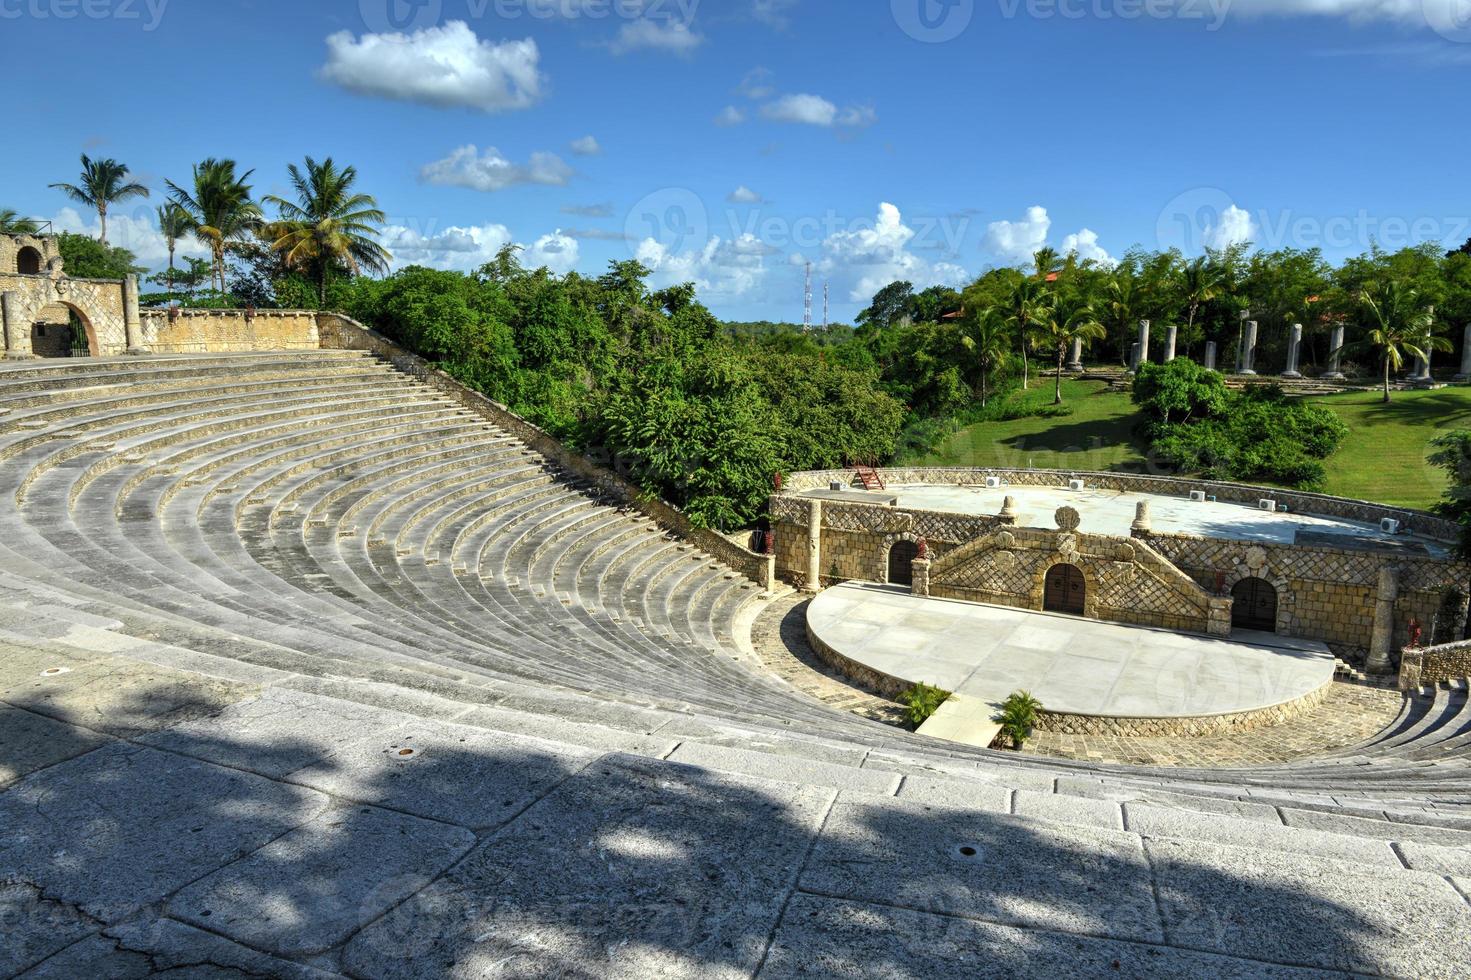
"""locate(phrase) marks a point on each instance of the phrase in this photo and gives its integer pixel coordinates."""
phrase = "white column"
(1210, 355)
(1465, 374)
(814, 545)
(17, 334)
(1143, 343)
(1075, 357)
(1335, 355)
(1294, 352)
(1248, 348)
(1382, 642)
(1171, 335)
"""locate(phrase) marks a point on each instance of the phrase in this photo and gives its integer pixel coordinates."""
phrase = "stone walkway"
(1348, 716)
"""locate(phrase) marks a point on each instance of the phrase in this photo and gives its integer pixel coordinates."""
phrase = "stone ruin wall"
(228, 331)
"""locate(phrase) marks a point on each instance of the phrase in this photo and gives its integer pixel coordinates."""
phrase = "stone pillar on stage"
(1335, 355)
(1075, 357)
(132, 320)
(1171, 335)
(814, 545)
(17, 334)
(1294, 352)
(1143, 344)
(1382, 642)
(1248, 348)
(1465, 374)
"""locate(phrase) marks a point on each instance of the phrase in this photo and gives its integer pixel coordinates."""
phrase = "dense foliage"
(645, 380)
(1198, 425)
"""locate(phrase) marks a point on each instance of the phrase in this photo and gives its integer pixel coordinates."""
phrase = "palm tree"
(1121, 302)
(327, 225)
(985, 336)
(173, 223)
(11, 223)
(104, 182)
(1402, 324)
(1046, 261)
(1023, 310)
(219, 207)
(1200, 282)
(1068, 317)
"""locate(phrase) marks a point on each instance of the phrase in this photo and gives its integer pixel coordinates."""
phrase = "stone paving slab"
(33, 926)
(124, 826)
(1319, 912)
(632, 868)
(785, 768)
(1075, 810)
(29, 742)
(821, 937)
(968, 794)
(309, 891)
(454, 773)
(276, 733)
(1338, 823)
(1155, 821)
(984, 866)
(1437, 858)
(123, 697)
(164, 948)
(564, 731)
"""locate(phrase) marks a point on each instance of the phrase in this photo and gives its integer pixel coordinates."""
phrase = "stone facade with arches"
(38, 301)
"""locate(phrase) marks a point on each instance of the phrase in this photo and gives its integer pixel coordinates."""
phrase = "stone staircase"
(427, 679)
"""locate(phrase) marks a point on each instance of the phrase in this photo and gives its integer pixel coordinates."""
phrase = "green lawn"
(1382, 460)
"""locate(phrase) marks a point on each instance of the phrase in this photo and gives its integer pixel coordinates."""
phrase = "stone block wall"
(228, 331)
(1434, 665)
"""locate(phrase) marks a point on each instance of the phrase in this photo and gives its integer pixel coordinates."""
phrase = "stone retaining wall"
(343, 333)
(1434, 665)
(228, 331)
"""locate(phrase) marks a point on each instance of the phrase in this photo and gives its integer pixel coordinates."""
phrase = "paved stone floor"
(1349, 715)
(1071, 664)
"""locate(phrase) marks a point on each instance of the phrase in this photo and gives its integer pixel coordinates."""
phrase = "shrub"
(921, 701)
(1017, 717)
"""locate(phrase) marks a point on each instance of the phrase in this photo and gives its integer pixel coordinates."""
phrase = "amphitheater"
(317, 664)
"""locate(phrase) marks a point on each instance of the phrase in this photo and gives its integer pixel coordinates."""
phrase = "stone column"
(1075, 357)
(1248, 348)
(132, 321)
(1383, 638)
(1335, 355)
(1294, 352)
(1171, 335)
(1143, 344)
(1421, 374)
(1210, 355)
(1007, 517)
(17, 334)
(1465, 374)
(814, 545)
(1142, 525)
(1134, 357)
(921, 584)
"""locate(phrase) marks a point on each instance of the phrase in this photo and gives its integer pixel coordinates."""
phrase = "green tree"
(11, 223)
(1066, 318)
(328, 226)
(1024, 309)
(102, 183)
(985, 338)
(1200, 280)
(85, 257)
(220, 208)
(1401, 323)
(173, 224)
(890, 305)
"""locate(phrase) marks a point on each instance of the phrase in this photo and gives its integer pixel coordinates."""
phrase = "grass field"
(1382, 460)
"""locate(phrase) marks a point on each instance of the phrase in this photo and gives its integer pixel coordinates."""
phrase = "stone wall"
(1434, 665)
(99, 303)
(228, 331)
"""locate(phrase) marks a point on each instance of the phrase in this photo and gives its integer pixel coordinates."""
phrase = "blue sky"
(731, 141)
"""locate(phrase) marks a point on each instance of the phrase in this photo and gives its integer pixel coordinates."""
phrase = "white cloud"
(772, 13)
(668, 36)
(858, 117)
(730, 116)
(587, 146)
(589, 210)
(744, 195)
(878, 255)
(136, 231)
(1085, 244)
(556, 251)
(1232, 228)
(722, 269)
(810, 110)
(1015, 242)
(757, 84)
(490, 171)
(468, 248)
(440, 66)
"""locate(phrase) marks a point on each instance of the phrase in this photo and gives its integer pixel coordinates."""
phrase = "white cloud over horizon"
(666, 36)
(466, 248)
(445, 67)
(744, 195)
(870, 256)
(490, 171)
(1016, 242)
(136, 230)
(587, 146)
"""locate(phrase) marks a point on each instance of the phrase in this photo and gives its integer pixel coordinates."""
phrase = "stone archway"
(29, 261)
(901, 563)
(106, 309)
(1065, 590)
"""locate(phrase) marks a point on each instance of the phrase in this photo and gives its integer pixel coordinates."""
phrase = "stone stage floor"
(1073, 665)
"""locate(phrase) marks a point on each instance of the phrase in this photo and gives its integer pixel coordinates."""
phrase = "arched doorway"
(1065, 591)
(901, 562)
(62, 330)
(1255, 606)
(28, 261)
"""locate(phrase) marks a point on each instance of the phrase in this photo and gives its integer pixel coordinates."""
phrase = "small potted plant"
(1017, 717)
